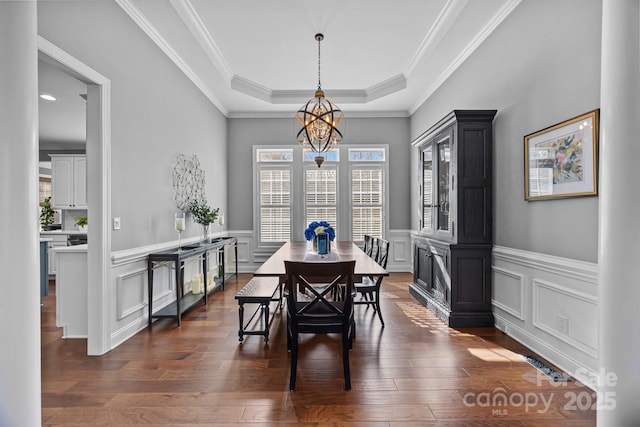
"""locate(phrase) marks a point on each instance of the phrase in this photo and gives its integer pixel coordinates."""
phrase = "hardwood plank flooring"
(414, 372)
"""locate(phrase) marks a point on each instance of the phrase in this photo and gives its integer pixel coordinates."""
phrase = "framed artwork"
(562, 160)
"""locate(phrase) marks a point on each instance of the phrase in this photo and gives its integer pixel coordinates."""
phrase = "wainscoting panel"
(131, 294)
(128, 292)
(508, 292)
(566, 314)
(549, 304)
(400, 256)
(248, 262)
(243, 252)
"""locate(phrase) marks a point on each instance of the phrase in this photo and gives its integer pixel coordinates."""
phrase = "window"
(348, 191)
(366, 202)
(44, 189)
(274, 155)
(321, 195)
(330, 156)
(274, 183)
(366, 154)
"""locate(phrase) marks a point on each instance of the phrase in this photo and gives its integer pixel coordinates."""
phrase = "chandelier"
(321, 120)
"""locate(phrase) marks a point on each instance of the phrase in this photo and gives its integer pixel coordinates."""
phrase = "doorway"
(98, 152)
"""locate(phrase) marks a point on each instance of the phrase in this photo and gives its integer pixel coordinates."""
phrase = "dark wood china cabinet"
(452, 249)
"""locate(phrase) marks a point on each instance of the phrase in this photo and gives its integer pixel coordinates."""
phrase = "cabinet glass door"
(427, 188)
(444, 196)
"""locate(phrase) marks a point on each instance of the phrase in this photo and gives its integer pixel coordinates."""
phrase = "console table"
(176, 258)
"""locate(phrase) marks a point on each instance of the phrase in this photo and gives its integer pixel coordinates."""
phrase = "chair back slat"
(373, 254)
(368, 244)
(382, 253)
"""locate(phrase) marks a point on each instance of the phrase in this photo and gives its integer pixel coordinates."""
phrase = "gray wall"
(157, 113)
(540, 67)
(245, 133)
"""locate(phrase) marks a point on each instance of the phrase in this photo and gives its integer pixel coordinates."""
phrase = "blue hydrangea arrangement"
(317, 227)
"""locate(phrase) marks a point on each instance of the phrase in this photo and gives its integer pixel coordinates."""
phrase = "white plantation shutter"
(321, 195)
(275, 204)
(367, 196)
(348, 191)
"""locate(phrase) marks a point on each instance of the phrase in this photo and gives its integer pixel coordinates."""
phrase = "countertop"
(60, 232)
(70, 249)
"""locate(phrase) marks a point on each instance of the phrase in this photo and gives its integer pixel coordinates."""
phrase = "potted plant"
(46, 214)
(204, 215)
(81, 222)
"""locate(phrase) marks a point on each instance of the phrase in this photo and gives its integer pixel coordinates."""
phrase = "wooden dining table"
(264, 292)
(302, 251)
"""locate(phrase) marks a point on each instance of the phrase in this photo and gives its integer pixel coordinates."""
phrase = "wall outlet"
(116, 223)
(563, 324)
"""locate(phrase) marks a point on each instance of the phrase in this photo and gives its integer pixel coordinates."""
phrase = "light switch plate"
(116, 223)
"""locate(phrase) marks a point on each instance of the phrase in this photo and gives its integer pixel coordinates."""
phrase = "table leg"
(266, 322)
(223, 272)
(236, 257)
(150, 289)
(205, 270)
(179, 286)
(241, 319)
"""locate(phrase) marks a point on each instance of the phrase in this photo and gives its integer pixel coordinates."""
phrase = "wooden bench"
(262, 291)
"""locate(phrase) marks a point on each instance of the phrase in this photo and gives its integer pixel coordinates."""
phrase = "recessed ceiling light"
(47, 96)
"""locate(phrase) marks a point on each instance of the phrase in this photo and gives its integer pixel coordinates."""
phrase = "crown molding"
(189, 16)
(300, 96)
(387, 87)
(500, 16)
(291, 114)
(138, 17)
(441, 25)
(251, 88)
(192, 21)
(339, 96)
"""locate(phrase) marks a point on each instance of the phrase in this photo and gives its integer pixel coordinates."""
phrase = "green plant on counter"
(46, 214)
(202, 213)
(81, 221)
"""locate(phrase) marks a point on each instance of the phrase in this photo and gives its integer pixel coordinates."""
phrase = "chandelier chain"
(319, 40)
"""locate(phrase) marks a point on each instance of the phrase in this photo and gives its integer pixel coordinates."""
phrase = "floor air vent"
(545, 369)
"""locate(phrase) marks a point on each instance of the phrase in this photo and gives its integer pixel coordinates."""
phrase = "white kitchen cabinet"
(71, 291)
(69, 181)
(57, 241)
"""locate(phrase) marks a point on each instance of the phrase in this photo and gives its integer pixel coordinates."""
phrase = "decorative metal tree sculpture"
(188, 181)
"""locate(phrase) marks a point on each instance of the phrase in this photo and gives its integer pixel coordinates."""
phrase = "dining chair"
(369, 288)
(312, 310)
(368, 244)
(373, 253)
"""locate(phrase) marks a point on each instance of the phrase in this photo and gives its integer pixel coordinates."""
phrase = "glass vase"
(205, 235)
(179, 225)
(323, 243)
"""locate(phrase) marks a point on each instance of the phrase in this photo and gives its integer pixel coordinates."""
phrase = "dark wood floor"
(414, 372)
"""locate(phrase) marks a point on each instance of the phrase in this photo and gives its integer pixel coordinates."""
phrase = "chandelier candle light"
(322, 121)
